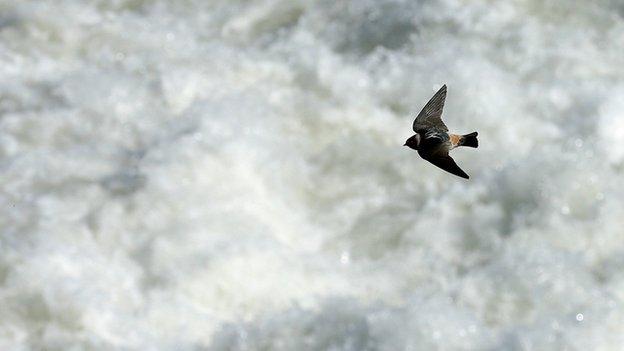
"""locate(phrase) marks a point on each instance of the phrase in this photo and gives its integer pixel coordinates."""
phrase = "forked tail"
(469, 140)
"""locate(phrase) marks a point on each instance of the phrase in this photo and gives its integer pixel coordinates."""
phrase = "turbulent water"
(230, 175)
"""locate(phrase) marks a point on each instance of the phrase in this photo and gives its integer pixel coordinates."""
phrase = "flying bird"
(432, 139)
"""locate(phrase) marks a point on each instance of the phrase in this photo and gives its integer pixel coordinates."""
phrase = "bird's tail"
(469, 140)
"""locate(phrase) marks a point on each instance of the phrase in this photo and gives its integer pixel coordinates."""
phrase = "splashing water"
(229, 175)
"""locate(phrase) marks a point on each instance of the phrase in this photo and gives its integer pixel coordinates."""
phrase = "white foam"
(229, 176)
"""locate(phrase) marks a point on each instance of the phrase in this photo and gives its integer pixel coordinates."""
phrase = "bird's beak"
(405, 144)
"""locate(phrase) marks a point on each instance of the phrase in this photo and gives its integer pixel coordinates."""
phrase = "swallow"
(432, 139)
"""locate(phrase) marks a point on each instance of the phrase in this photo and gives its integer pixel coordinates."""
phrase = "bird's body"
(432, 139)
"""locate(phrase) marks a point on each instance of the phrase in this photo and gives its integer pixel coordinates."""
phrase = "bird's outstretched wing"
(447, 163)
(431, 114)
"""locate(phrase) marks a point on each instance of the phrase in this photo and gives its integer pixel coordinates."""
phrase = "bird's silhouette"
(432, 139)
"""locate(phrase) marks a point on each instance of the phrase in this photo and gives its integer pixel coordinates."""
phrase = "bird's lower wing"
(447, 163)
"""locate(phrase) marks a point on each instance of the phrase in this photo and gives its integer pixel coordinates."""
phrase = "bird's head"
(413, 141)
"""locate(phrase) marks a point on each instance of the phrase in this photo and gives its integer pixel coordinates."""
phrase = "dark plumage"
(432, 140)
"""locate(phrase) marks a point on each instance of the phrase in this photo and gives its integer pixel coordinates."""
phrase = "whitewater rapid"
(229, 175)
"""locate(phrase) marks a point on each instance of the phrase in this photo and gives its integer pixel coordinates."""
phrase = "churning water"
(229, 175)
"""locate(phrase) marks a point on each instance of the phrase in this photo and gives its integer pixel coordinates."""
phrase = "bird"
(432, 139)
